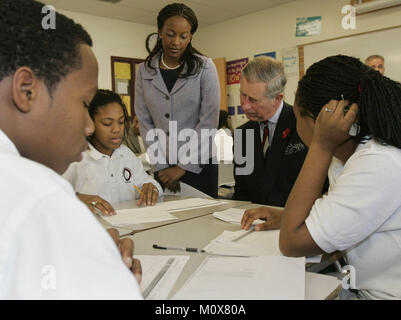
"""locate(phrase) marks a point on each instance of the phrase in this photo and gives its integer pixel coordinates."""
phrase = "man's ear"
(277, 100)
(24, 89)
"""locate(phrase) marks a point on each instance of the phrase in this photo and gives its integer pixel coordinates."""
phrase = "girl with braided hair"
(361, 214)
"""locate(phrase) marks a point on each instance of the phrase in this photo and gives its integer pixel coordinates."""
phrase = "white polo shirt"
(51, 246)
(362, 215)
(112, 178)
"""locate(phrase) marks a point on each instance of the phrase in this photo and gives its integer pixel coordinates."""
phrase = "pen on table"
(140, 191)
(155, 246)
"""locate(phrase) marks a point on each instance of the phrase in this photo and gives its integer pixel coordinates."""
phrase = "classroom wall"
(113, 38)
(274, 29)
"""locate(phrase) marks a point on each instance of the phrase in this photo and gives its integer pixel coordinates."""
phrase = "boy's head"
(47, 76)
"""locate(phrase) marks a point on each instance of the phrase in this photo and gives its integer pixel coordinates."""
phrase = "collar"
(7, 144)
(94, 153)
(276, 116)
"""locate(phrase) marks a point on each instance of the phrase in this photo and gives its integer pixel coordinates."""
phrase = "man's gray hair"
(374, 56)
(268, 70)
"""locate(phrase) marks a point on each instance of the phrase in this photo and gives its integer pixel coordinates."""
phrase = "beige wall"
(113, 38)
(274, 29)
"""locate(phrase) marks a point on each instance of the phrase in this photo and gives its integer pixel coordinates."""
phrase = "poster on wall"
(290, 60)
(234, 69)
(308, 26)
(267, 54)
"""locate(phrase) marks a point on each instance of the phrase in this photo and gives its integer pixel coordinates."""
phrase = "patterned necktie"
(265, 142)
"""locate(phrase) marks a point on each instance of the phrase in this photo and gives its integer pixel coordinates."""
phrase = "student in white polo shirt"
(110, 172)
(51, 246)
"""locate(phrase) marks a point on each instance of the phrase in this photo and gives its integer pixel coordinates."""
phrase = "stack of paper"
(160, 274)
(245, 243)
(258, 278)
(138, 216)
(192, 203)
(233, 215)
(249, 243)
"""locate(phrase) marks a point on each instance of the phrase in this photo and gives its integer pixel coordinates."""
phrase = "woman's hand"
(332, 125)
(271, 215)
(96, 204)
(169, 177)
(149, 195)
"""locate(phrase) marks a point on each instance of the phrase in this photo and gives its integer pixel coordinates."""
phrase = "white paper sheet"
(233, 215)
(139, 216)
(151, 266)
(192, 203)
(251, 243)
(257, 278)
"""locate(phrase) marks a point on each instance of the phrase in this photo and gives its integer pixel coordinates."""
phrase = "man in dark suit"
(274, 150)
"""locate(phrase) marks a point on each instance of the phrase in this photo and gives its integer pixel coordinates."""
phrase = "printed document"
(256, 278)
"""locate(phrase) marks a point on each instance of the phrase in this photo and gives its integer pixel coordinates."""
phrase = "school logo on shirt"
(127, 174)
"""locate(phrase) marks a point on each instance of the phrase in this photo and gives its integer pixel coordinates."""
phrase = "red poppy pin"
(285, 133)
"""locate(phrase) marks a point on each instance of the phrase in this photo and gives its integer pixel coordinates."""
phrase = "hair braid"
(378, 97)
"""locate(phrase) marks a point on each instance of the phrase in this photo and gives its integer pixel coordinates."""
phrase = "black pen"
(155, 246)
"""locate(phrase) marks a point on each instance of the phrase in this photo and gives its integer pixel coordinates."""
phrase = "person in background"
(110, 172)
(224, 140)
(376, 62)
(177, 95)
(52, 247)
(133, 139)
(277, 151)
(361, 214)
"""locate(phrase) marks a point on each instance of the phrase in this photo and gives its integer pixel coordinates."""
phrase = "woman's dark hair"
(223, 123)
(378, 97)
(193, 62)
(104, 97)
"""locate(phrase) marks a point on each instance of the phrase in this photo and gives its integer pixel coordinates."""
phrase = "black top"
(170, 77)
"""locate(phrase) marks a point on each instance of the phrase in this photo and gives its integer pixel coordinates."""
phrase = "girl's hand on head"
(96, 204)
(332, 125)
(149, 195)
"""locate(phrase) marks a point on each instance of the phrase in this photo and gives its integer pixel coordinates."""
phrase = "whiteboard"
(386, 43)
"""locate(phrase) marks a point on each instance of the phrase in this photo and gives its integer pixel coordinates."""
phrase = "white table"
(182, 215)
(197, 233)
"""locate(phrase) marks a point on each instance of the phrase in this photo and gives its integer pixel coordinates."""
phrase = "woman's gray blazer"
(193, 103)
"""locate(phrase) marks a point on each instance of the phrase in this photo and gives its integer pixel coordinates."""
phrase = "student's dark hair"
(104, 97)
(378, 97)
(223, 119)
(193, 62)
(51, 53)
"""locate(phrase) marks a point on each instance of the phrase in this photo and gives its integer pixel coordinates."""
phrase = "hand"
(149, 195)
(96, 202)
(126, 248)
(332, 125)
(271, 215)
(175, 186)
(170, 175)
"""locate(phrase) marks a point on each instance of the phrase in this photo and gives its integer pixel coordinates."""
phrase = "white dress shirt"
(112, 178)
(51, 246)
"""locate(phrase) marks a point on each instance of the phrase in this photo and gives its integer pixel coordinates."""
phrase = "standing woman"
(177, 89)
